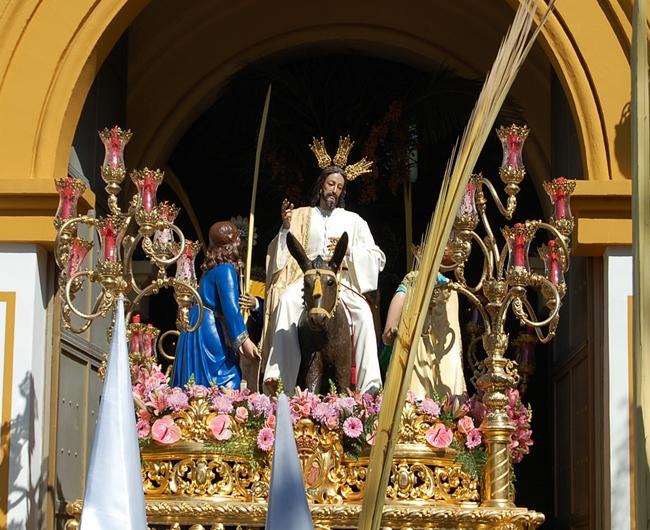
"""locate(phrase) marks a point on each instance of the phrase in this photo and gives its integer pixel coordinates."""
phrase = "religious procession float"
(405, 455)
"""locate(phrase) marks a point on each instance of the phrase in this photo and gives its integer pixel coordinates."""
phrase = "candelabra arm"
(65, 233)
(474, 300)
(161, 262)
(560, 240)
(185, 323)
(130, 244)
(513, 294)
(488, 263)
(78, 330)
(102, 304)
(153, 288)
(161, 348)
(112, 204)
(553, 304)
(506, 211)
(551, 321)
(490, 239)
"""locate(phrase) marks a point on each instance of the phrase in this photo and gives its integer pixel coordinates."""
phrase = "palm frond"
(512, 52)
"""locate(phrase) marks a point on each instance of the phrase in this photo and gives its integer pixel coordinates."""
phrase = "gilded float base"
(196, 514)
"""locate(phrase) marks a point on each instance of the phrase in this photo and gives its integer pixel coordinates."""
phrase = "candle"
(148, 194)
(78, 252)
(514, 151)
(560, 204)
(116, 148)
(519, 248)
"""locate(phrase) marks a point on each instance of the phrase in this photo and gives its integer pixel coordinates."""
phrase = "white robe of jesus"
(316, 229)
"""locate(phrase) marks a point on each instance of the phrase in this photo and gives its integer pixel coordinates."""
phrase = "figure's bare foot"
(271, 387)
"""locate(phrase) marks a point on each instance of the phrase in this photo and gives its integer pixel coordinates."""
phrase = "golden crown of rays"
(340, 159)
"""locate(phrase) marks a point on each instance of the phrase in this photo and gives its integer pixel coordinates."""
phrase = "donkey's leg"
(314, 376)
(342, 370)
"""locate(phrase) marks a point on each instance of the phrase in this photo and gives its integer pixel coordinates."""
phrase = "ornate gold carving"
(173, 514)
(193, 469)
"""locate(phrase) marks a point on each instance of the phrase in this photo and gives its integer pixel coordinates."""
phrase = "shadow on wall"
(642, 467)
(623, 142)
(20, 433)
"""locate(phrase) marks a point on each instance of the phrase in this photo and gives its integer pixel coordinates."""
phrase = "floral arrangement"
(243, 422)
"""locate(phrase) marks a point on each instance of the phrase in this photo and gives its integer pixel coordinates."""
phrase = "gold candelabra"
(146, 224)
(505, 282)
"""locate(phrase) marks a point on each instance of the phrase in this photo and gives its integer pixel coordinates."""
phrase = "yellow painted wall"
(51, 50)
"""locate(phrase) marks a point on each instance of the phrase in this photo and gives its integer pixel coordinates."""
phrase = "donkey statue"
(323, 329)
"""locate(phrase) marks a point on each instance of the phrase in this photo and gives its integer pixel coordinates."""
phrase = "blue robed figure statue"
(210, 353)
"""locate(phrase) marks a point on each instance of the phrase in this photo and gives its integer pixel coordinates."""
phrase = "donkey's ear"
(298, 253)
(339, 251)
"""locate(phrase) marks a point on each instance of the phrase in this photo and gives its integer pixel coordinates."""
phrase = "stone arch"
(47, 70)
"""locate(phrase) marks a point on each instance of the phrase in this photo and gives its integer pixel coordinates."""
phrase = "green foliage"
(473, 461)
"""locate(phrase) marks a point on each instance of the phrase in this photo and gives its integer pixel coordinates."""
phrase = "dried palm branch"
(514, 49)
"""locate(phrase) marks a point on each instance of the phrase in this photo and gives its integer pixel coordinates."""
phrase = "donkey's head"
(321, 287)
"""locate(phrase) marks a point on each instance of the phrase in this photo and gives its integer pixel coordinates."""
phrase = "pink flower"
(143, 428)
(261, 404)
(265, 439)
(332, 422)
(158, 401)
(177, 399)
(270, 422)
(465, 425)
(439, 436)
(430, 407)
(144, 415)
(301, 404)
(352, 427)
(138, 390)
(165, 431)
(323, 411)
(197, 391)
(513, 397)
(473, 438)
(241, 414)
(345, 403)
(222, 404)
(220, 427)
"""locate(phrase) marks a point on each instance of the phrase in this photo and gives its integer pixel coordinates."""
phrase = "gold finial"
(318, 148)
(341, 157)
(358, 168)
(324, 160)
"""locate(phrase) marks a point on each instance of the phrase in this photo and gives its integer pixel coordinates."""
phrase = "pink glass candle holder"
(111, 231)
(134, 331)
(147, 182)
(70, 189)
(185, 265)
(79, 249)
(149, 337)
(518, 239)
(559, 191)
(468, 205)
(512, 142)
(168, 213)
(114, 140)
(552, 257)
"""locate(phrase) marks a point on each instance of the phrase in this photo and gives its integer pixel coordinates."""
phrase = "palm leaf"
(510, 57)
